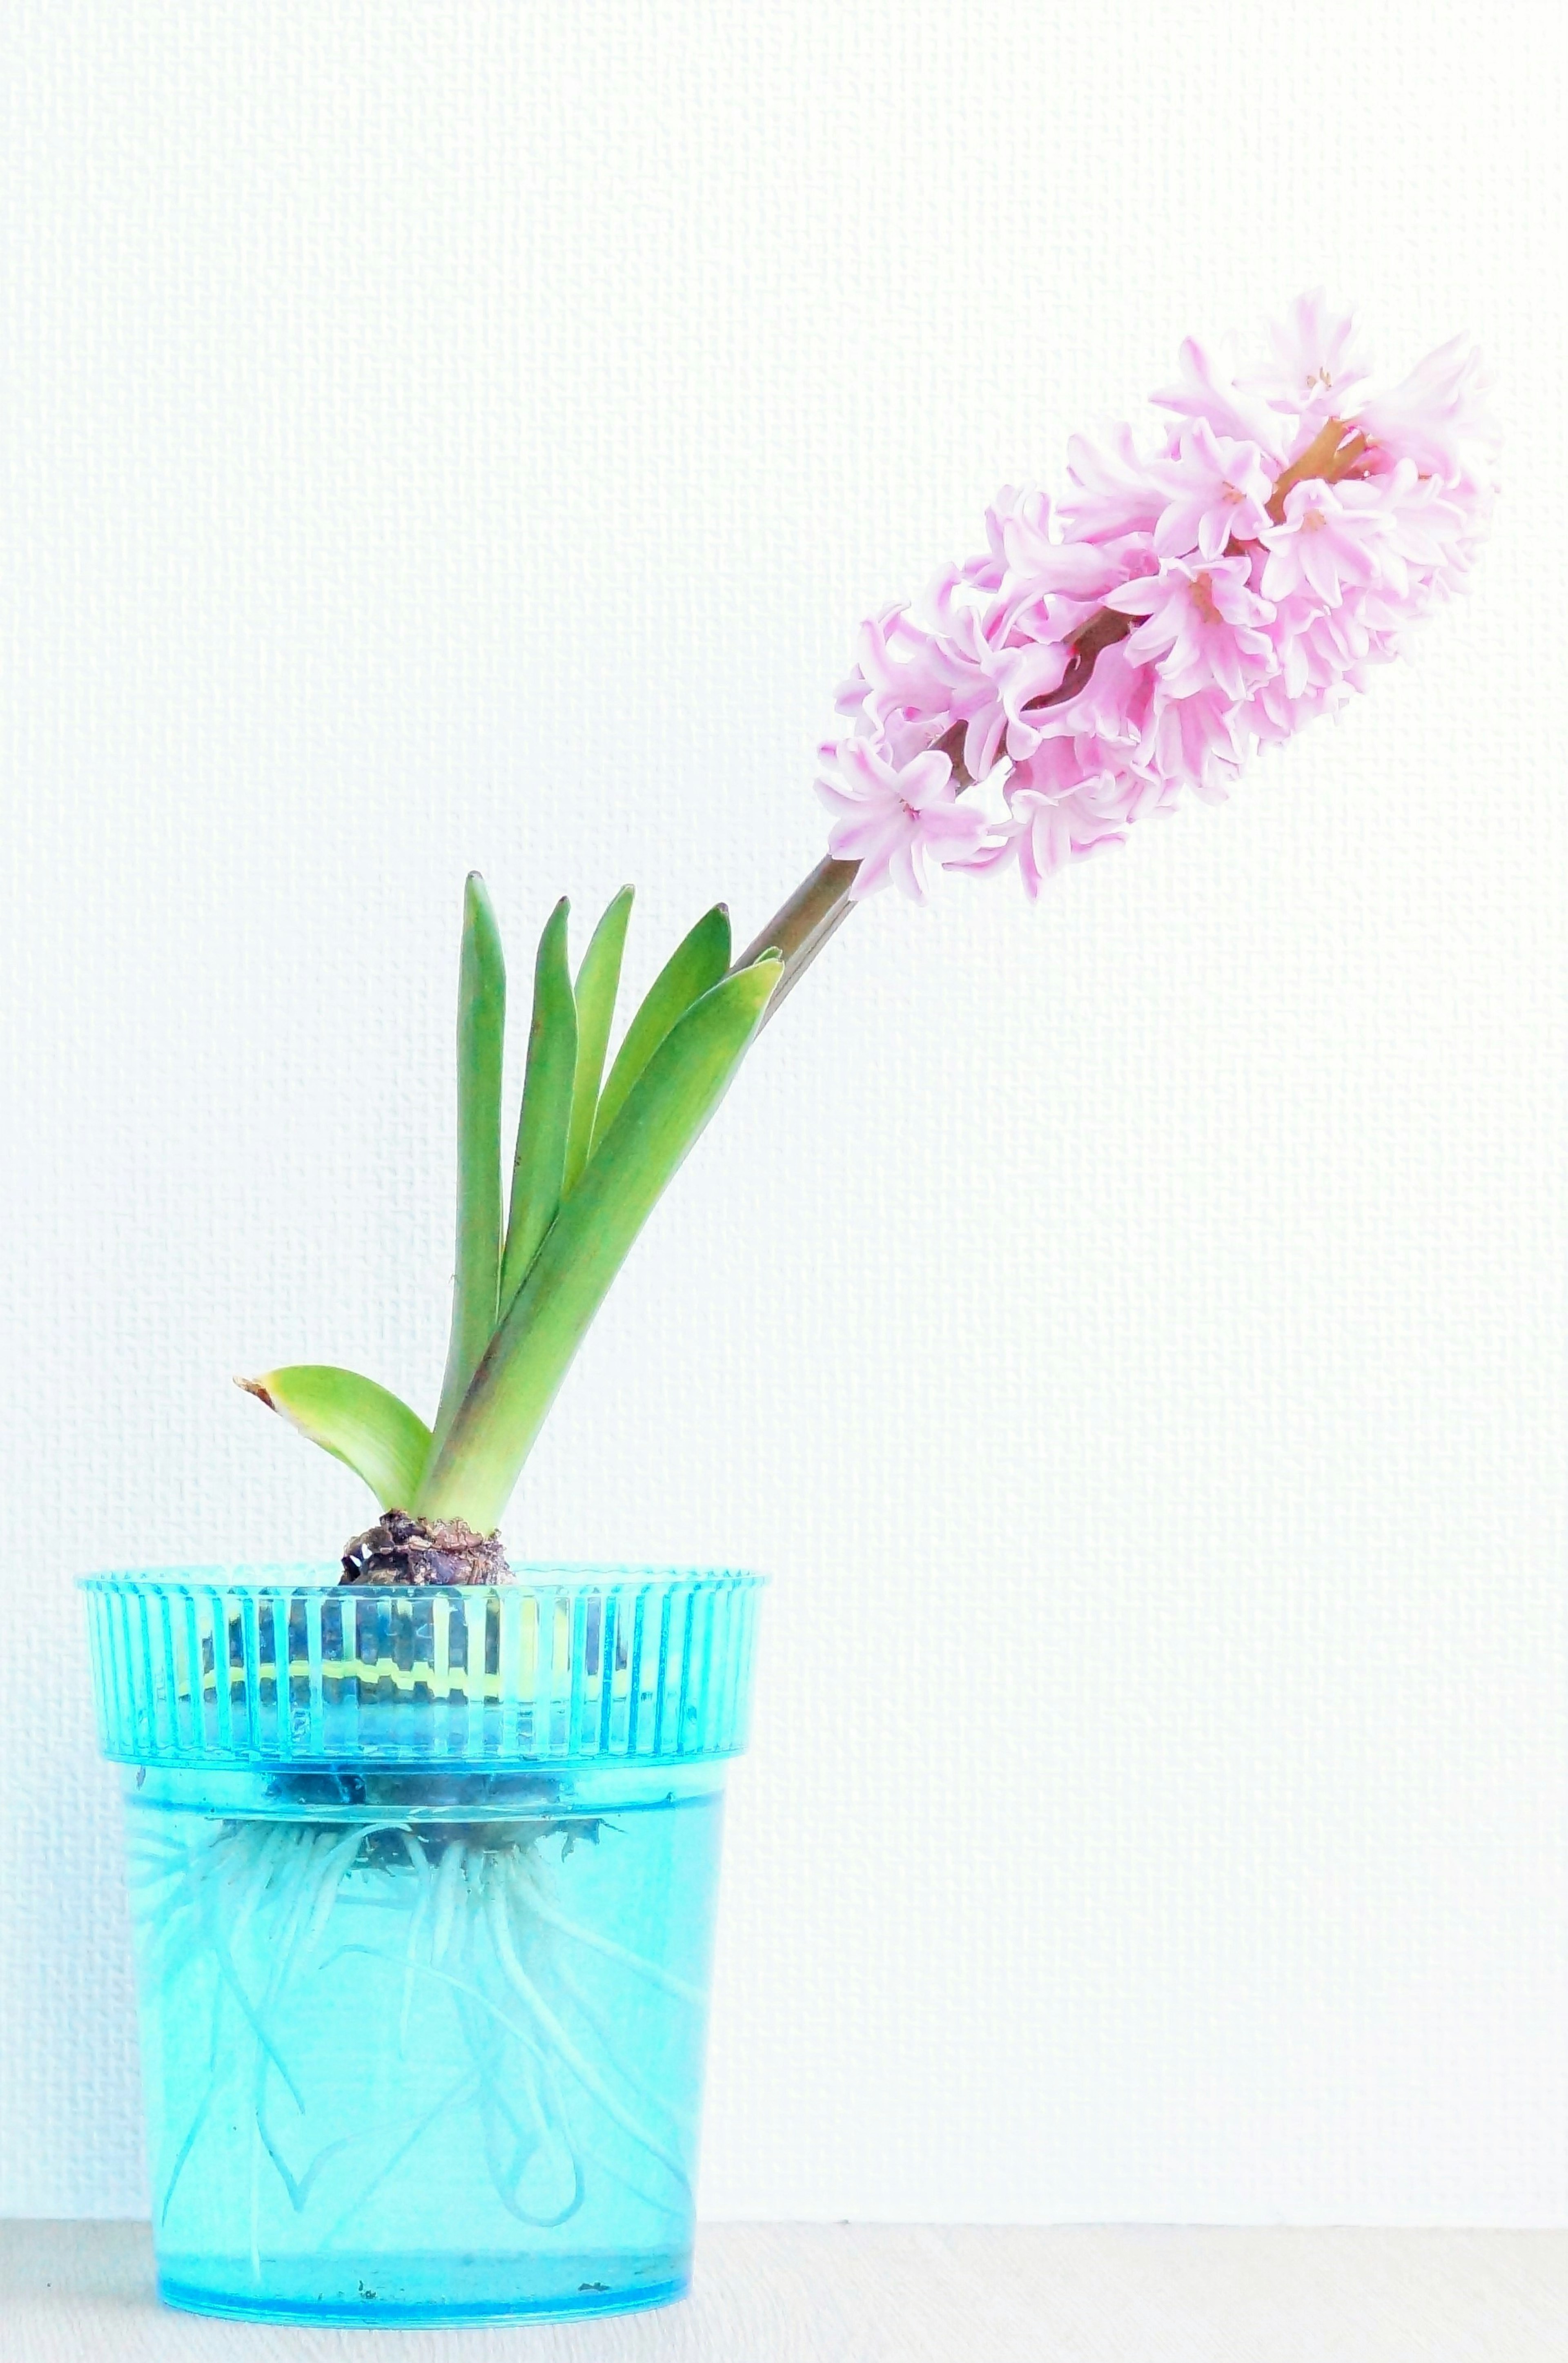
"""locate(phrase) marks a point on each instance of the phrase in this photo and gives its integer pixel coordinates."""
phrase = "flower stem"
(799, 927)
(1330, 455)
(816, 901)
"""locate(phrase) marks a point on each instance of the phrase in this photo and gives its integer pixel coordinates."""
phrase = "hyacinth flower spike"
(1183, 603)
(1176, 609)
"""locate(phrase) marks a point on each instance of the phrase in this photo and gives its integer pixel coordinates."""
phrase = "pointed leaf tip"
(482, 1024)
(359, 1422)
(598, 983)
(545, 1116)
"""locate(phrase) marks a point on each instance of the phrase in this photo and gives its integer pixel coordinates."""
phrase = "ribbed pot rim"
(572, 1663)
(532, 1575)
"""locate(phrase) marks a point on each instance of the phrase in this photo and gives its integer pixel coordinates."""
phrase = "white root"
(421, 1867)
(490, 2082)
(656, 1975)
(586, 2075)
(253, 1879)
(526, 1897)
(507, 2182)
(232, 1980)
(447, 1881)
(338, 1862)
(624, 2075)
(455, 2098)
(468, 1921)
(203, 2107)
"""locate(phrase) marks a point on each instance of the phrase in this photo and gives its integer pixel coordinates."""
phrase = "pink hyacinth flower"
(1182, 605)
(1203, 627)
(1331, 537)
(1314, 368)
(898, 823)
(1205, 391)
(1218, 490)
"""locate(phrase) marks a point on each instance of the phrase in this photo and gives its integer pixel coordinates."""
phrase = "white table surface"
(891, 2294)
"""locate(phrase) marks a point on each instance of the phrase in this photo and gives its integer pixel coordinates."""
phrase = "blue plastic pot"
(423, 1886)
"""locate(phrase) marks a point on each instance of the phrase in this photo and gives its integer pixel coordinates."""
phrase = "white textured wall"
(1131, 1331)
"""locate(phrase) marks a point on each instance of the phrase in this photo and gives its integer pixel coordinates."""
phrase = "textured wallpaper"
(1129, 1331)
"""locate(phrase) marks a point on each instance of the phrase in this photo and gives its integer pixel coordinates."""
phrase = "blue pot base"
(414, 2291)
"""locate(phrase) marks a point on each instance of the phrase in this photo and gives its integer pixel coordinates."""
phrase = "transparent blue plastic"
(423, 1888)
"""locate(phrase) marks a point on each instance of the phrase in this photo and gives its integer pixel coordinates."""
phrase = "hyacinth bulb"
(1179, 605)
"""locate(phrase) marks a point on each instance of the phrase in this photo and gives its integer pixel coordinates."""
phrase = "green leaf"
(481, 1026)
(472, 1473)
(598, 981)
(358, 1422)
(693, 966)
(547, 1109)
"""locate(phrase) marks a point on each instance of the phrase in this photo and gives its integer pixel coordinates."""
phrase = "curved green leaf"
(695, 965)
(358, 1422)
(482, 1026)
(472, 1473)
(547, 1109)
(598, 981)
